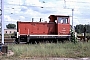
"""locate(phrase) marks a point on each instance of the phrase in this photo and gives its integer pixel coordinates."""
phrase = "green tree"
(87, 28)
(79, 28)
(11, 26)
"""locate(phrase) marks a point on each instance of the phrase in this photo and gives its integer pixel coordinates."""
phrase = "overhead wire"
(48, 7)
(78, 2)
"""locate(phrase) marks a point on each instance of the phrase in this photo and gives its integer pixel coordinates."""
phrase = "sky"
(25, 10)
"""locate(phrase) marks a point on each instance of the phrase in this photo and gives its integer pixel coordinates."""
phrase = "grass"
(69, 50)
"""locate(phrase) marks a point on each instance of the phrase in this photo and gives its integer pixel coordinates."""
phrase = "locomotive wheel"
(28, 39)
(16, 41)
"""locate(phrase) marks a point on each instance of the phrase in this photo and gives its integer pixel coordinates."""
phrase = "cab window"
(62, 20)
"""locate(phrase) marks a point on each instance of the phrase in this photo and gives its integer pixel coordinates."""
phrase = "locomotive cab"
(62, 24)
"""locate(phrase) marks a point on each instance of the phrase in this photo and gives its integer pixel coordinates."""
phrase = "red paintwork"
(44, 28)
(36, 28)
(63, 29)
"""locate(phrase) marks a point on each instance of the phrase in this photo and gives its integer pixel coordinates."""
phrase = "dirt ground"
(10, 54)
(48, 59)
(58, 59)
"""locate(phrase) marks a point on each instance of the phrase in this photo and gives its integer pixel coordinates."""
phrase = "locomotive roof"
(59, 16)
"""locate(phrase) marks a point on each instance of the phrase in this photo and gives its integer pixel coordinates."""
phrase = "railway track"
(7, 40)
(11, 40)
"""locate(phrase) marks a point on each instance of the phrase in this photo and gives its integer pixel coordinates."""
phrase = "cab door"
(63, 26)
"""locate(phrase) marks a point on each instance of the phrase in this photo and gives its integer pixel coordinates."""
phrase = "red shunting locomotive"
(58, 27)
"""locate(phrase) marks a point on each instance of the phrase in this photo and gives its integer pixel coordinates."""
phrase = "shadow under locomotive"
(41, 39)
